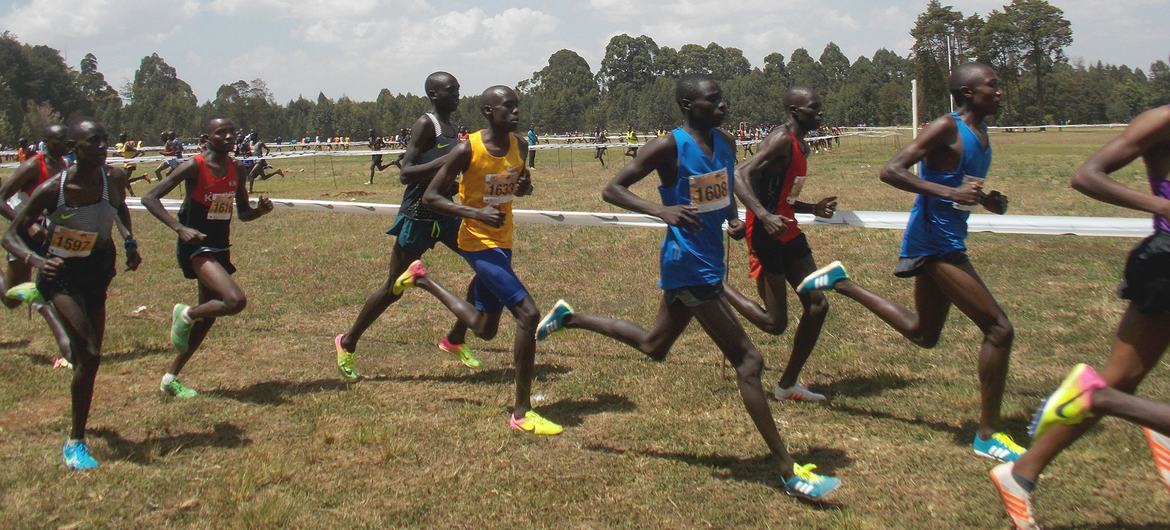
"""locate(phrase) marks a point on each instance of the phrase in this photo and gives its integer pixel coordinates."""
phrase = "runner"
(491, 163)
(417, 228)
(600, 139)
(695, 164)
(213, 181)
(376, 144)
(127, 149)
(77, 261)
(16, 281)
(953, 153)
(769, 186)
(173, 148)
(631, 143)
(1141, 338)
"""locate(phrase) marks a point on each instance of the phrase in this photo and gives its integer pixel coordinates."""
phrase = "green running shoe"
(461, 351)
(345, 361)
(176, 389)
(180, 329)
(26, 292)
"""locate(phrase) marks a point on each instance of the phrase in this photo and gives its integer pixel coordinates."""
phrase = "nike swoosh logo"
(65, 216)
(442, 146)
(558, 217)
(1060, 409)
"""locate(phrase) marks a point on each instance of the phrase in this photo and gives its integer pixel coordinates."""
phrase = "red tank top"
(207, 185)
(31, 186)
(789, 191)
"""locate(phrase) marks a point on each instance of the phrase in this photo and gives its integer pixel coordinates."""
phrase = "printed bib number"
(221, 206)
(966, 180)
(709, 191)
(797, 185)
(500, 188)
(71, 243)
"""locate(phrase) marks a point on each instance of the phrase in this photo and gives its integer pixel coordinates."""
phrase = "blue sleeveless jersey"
(936, 227)
(694, 257)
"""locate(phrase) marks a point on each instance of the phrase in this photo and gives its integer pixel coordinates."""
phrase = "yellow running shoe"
(535, 424)
(345, 361)
(406, 279)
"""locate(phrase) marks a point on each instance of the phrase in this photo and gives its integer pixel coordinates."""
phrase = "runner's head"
(443, 90)
(90, 141)
(701, 100)
(975, 86)
(56, 140)
(804, 107)
(501, 106)
(221, 135)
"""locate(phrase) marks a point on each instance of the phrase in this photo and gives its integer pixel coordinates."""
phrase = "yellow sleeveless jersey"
(489, 180)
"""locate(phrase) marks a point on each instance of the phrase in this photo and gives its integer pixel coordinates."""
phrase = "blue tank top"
(694, 257)
(936, 227)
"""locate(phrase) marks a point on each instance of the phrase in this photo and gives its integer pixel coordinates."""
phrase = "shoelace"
(805, 473)
(1008, 442)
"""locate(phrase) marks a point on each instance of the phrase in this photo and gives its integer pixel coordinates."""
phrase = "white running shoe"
(1016, 500)
(797, 393)
(1160, 446)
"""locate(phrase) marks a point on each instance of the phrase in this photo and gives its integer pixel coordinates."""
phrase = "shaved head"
(799, 96)
(437, 80)
(55, 130)
(83, 129)
(494, 95)
(967, 75)
(216, 123)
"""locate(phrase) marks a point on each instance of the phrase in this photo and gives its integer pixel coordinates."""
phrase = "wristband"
(130, 243)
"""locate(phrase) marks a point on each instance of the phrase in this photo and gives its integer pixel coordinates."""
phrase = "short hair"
(435, 79)
(798, 94)
(687, 87)
(965, 75)
(491, 91)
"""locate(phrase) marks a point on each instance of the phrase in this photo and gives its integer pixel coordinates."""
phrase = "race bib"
(797, 184)
(221, 206)
(964, 207)
(500, 188)
(709, 191)
(71, 243)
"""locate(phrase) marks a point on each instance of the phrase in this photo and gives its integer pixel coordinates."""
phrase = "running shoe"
(823, 278)
(406, 279)
(999, 447)
(798, 393)
(62, 362)
(176, 389)
(807, 485)
(345, 361)
(180, 329)
(1017, 501)
(554, 321)
(535, 424)
(26, 292)
(461, 351)
(1160, 445)
(1069, 404)
(76, 455)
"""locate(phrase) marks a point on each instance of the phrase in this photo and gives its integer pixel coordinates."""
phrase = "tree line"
(633, 86)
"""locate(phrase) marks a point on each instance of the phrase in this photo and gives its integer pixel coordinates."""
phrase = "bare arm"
(658, 154)
(16, 240)
(1145, 131)
(457, 161)
(118, 187)
(938, 135)
(152, 199)
(27, 172)
(422, 139)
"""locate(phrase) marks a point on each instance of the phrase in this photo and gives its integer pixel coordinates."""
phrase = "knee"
(817, 307)
(1000, 333)
(234, 303)
(751, 366)
(489, 330)
(528, 321)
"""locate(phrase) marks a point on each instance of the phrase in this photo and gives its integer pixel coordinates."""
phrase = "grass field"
(278, 440)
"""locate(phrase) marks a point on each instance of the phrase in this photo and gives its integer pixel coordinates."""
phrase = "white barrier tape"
(998, 224)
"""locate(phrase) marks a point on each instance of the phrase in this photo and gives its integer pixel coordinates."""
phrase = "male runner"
(376, 144)
(695, 165)
(1142, 336)
(953, 154)
(532, 140)
(631, 143)
(173, 148)
(417, 228)
(491, 163)
(15, 282)
(769, 186)
(127, 148)
(600, 138)
(213, 181)
(77, 261)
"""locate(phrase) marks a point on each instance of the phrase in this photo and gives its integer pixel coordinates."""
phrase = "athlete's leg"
(772, 318)
(672, 319)
(82, 319)
(815, 308)
(219, 295)
(483, 324)
(923, 328)
(1139, 344)
(56, 327)
(382, 297)
(720, 323)
(524, 353)
(962, 285)
(458, 333)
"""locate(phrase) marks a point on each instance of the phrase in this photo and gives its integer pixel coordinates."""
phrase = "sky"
(357, 47)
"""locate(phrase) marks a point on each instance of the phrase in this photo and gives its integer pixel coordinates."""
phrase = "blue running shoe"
(554, 321)
(823, 278)
(999, 447)
(77, 457)
(807, 485)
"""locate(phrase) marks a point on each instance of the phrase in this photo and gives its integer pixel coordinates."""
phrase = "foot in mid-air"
(823, 278)
(1070, 403)
(461, 352)
(554, 321)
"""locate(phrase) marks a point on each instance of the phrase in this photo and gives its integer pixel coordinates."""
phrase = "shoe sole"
(1003, 493)
(804, 284)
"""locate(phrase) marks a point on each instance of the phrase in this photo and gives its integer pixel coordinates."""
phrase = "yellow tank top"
(489, 180)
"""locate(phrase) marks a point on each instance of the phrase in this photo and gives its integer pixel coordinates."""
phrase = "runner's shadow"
(13, 344)
(224, 435)
(137, 352)
(277, 392)
(962, 435)
(865, 385)
(572, 412)
(760, 469)
(495, 376)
